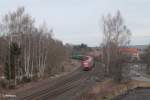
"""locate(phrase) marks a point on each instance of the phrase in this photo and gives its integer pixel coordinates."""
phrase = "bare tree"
(115, 35)
(39, 53)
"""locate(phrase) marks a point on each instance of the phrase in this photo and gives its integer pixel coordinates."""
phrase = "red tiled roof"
(129, 50)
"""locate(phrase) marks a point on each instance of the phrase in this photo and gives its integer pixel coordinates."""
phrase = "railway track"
(63, 88)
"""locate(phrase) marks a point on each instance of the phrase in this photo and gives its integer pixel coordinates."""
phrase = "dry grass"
(107, 89)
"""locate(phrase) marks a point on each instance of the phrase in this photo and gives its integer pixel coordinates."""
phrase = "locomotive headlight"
(85, 63)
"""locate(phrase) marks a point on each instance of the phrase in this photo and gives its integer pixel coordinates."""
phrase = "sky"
(79, 21)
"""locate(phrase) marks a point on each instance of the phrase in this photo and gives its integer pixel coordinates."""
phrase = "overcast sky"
(79, 21)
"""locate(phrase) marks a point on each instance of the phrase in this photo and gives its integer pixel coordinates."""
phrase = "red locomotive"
(87, 63)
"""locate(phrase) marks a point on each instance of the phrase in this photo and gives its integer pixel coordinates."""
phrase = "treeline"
(81, 49)
(27, 51)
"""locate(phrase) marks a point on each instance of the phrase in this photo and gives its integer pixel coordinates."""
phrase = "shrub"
(26, 79)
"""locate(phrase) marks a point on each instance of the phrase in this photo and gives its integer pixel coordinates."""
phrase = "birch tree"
(40, 54)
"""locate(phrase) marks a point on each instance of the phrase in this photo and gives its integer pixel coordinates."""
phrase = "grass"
(107, 89)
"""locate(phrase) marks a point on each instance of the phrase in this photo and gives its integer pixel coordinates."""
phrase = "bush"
(4, 83)
(35, 78)
(26, 79)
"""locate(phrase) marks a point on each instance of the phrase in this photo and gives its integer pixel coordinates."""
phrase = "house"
(133, 52)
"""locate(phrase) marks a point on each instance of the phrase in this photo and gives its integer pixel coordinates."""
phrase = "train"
(87, 63)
